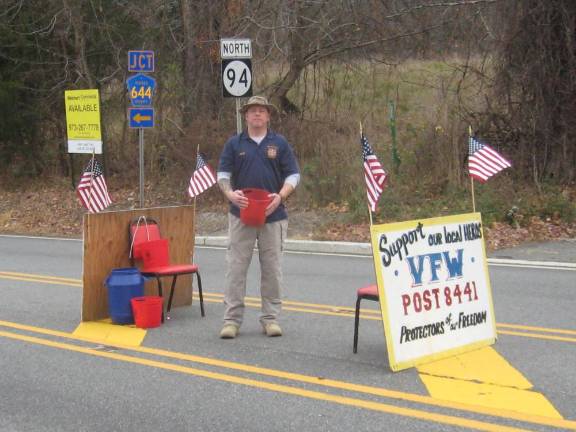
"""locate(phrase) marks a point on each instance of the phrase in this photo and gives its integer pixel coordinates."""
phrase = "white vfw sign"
(434, 288)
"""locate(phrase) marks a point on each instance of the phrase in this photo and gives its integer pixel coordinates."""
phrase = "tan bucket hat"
(258, 100)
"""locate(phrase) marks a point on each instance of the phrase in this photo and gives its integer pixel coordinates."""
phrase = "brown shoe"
(272, 330)
(229, 331)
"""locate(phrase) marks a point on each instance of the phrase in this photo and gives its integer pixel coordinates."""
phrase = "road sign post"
(238, 117)
(237, 77)
(140, 90)
(140, 61)
(141, 118)
(235, 48)
(141, 165)
(236, 57)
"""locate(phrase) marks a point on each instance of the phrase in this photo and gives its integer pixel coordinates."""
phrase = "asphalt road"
(184, 378)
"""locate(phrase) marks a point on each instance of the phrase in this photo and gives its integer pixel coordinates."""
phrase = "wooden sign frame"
(106, 247)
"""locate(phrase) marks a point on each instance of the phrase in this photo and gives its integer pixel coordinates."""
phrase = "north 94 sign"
(236, 77)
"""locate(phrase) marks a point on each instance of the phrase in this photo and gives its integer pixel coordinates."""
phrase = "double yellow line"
(79, 345)
(559, 335)
(27, 277)
(562, 335)
(297, 378)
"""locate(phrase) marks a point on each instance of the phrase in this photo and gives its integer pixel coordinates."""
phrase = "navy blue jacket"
(263, 166)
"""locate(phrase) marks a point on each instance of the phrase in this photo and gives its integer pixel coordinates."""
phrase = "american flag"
(483, 161)
(92, 190)
(203, 178)
(374, 174)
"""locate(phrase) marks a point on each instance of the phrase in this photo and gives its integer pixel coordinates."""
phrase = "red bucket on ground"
(147, 311)
(255, 213)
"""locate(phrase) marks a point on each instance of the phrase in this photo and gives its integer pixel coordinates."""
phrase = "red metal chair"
(148, 246)
(369, 292)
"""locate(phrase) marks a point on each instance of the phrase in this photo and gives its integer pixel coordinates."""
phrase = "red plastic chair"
(369, 292)
(148, 246)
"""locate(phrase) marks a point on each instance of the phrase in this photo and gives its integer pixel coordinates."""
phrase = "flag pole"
(471, 179)
(370, 213)
(194, 203)
(367, 204)
(91, 179)
(195, 196)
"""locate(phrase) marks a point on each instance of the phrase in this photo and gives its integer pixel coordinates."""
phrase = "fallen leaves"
(52, 209)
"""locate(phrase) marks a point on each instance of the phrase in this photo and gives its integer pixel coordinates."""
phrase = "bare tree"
(203, 24)
(536, 87)
(306, 32)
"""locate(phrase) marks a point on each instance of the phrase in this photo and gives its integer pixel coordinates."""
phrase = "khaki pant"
(242, 239)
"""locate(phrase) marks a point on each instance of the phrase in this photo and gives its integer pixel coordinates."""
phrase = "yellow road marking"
(279, 388)
(484, 365)
(110, 334)
(490, 395)
(365, 314)
(537, 336)
(323, 309)
(319, 381)
(8, 275)
(532, 328)
(369, 314)
(41, 279)
(103, 331)
(484, 378)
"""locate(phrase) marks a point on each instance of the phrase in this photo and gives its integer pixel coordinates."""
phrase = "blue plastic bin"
(123, 284)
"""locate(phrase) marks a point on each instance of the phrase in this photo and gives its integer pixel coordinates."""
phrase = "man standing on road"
(256, 158)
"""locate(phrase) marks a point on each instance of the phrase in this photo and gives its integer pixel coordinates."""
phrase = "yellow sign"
(434, 288)
(83, 121)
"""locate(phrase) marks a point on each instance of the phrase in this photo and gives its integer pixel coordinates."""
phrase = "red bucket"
(255, 213)
(147, 311)
(155, 253)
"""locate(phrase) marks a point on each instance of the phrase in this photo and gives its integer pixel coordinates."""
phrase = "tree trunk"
(79, 43)
(188, 58)
(280, 90)
(201, 60)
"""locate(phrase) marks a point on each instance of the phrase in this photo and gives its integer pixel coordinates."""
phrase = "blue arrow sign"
(140, 89)
(141, 117)
(140, 61)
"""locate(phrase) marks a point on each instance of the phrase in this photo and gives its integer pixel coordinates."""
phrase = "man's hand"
(275, 201)
(237, 198)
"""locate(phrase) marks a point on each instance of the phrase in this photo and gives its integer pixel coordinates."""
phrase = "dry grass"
(51, 209)
(433, 101)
